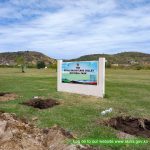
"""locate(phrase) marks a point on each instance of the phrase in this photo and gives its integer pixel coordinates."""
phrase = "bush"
(40, 64)
(54, 66)
(108, 64)
(138, 67)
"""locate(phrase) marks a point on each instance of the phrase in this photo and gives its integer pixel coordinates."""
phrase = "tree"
(40, 64)
(21, 61)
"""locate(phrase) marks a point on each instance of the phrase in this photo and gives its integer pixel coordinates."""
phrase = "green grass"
(127, 92)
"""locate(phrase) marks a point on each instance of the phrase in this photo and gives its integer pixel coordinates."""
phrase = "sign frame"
(86, 89)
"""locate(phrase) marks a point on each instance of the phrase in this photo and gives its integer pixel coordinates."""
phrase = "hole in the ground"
(41, 103)
(133, 126)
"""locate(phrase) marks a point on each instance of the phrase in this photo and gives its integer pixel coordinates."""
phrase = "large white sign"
(83, 77)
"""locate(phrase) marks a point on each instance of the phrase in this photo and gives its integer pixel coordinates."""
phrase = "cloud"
(68, 28)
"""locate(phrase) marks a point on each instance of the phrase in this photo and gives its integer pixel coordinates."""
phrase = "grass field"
(127, 92)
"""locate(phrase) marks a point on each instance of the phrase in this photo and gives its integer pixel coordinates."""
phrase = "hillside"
(30, 57)
(120, 58)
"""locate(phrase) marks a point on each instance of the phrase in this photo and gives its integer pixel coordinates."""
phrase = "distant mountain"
(30, 57)
(120, 58)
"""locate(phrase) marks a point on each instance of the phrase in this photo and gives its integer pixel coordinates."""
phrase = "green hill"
(30, 57)
(124, 58)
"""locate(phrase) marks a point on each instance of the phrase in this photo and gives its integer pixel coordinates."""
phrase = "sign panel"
(80, 72)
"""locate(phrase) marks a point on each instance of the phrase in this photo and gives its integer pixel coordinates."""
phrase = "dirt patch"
(6, 96)
(17, 134)
(4, 93)
(123, 135)
(41, 103)
(132, 126)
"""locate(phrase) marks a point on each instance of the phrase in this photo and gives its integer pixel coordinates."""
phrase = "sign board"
(80, 72)
(83, 77)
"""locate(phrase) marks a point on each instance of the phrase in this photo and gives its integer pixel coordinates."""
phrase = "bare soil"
(132, 126)
(41, 103)
(3, 93)
(6, 96)
(19, 134)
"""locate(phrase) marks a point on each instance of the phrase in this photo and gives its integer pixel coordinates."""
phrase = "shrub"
(138, 67)
(54, 66)
(40, 64)
(108, 64)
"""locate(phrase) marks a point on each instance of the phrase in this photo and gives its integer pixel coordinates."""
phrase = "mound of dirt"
(132, 126)
(6, 96)
(41, 103)
(18, 134)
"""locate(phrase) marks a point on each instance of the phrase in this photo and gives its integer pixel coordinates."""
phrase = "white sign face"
(80, 72)
(84, 77)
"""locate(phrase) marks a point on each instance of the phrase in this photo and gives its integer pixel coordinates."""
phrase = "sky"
(65, 29)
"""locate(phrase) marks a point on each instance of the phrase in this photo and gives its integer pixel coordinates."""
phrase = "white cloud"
(68, 28)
